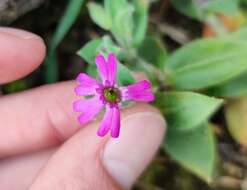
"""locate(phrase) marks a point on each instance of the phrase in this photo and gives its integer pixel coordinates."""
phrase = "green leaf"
(121, 13)
(236, 118)
(193, 149)
(89, 51)
(187, 7)
(186, 110)
(108, 46)
(51, 68)
(200, 50)
(92, 70)
(140, 20)
(201, 9)
(153, 51)
(69, 17)
(16, 86)
(113, 7)
(227, 7)
(123, 25)
(239, 35)
(124, 75)
(205, 63)
(234, 88)
(102, 46)
(99, 15)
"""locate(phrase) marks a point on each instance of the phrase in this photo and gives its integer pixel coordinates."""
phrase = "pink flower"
(107, 94)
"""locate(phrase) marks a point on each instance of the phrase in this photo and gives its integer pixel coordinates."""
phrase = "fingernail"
(125, 158)
(19, 33)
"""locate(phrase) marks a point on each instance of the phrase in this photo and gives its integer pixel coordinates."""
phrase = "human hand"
(43, 147)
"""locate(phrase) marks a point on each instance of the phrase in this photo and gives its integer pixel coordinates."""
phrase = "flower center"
(111, 95)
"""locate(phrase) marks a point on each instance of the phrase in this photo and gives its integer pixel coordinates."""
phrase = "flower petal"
(105, 124)
(86, 104)
(115, 127)
(84, 90)
(88, 116)
(140, 91)
(139, 86)
(112, 68)
(102, 67)
(89, 109)
(145, 96)
(87, 85)
(86, 80)
(111, 121)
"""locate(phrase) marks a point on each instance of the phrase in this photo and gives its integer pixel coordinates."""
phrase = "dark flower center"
(111, 95)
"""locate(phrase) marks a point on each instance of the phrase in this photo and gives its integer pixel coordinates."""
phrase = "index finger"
(20, 53)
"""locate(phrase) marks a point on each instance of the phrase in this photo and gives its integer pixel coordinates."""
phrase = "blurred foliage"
(195, 54)
(69, 17)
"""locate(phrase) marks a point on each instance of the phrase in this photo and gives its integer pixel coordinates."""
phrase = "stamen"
(112, 95)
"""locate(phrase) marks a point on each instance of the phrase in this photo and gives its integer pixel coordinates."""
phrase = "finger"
(37, 118)
(87, 161)
(140, 76)
(22, 169)
(11, 169)
(21, 52)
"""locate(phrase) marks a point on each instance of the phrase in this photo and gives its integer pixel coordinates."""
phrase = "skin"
(42, 145)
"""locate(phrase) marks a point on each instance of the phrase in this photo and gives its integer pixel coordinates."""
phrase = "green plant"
(191, 84)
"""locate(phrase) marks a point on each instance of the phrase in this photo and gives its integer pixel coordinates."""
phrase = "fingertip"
(139, 107)
(139, 76)
(21, 53)
(142, 133)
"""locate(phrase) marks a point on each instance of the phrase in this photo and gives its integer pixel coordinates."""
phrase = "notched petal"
(82, 90)
(102, 67)
(112, 68)
(115, 127)
(139, 86)
(86, 80)
(140, 91)
(105, 124)
(89, 109)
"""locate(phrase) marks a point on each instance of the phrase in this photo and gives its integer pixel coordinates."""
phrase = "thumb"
(86, 161)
